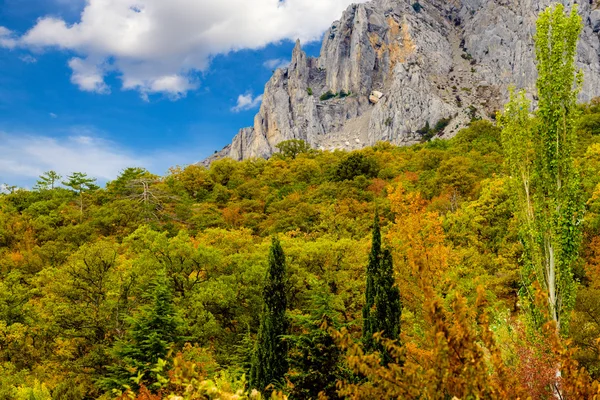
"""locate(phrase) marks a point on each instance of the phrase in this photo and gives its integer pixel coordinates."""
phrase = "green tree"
(48, 180)
(540, 159)
(382, 309)
(80, 183)
(152, 333)
(369, 322)
(388, 308)
(316, 362)
(292, 148)
(353, 165)
(269, 364)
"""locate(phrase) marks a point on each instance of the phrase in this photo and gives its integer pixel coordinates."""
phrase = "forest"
(466, 268)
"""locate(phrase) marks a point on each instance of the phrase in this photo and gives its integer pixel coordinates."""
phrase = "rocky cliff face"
(396, 65)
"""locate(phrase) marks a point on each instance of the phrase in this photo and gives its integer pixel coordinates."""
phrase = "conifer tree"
(48, 180)
(369, 323)
(152, 333)
(80, 183)
(316, 361)
(387, 302)
(382, 309)
(269, 364)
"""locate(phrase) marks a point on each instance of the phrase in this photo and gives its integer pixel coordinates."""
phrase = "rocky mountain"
(388, 68)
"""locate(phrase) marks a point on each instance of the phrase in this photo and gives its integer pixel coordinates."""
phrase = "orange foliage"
(377, 186)
(417, 238)
(232, 216)
(592, 266)
(461, 360)
(16, 257)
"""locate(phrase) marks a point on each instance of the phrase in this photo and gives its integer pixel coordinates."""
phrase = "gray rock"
(431, 64)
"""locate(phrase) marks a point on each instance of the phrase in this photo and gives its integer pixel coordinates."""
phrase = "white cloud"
(53, 115)
(28, 156)
(7, 38)
(88, 76)
(23, 157)
(159, 46)
(28, 59)
(276, 63)
(247, 102)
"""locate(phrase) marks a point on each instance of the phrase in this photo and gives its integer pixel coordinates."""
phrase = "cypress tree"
(369, 323)
(382, 309)
(269, 364)
(387, 303)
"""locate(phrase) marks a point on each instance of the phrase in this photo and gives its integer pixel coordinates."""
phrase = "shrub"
(327, 95)
(353, 165)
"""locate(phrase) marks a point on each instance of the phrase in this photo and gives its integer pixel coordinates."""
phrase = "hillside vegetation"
(390, 272)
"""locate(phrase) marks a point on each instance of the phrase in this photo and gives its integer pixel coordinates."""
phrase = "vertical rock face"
(389, 67)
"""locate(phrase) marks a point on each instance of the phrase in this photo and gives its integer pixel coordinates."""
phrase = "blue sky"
(157, 88)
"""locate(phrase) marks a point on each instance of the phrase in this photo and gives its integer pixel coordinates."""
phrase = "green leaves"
(539, 155)
(269, 363)
(382, 309)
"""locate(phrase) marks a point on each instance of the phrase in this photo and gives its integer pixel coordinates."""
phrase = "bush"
(309, 91)
(327, 95)
(291, 148)
(354, 165)
(417, 7)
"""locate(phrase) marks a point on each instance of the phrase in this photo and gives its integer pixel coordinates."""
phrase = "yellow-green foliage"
(72, 285)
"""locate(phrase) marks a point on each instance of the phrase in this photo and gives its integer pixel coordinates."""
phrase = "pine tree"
(152, 333)
(269, 364)
(382, 309)
(48, 180)
(80, 183)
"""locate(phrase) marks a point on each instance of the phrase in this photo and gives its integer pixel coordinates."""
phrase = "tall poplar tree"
(539, 155)
(269, 363)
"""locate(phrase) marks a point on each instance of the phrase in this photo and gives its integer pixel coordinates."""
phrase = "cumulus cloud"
(247, 102)
(88, 76)
(159, 46)
(276, 63)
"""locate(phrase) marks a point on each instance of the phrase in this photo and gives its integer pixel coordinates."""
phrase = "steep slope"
(397, 65)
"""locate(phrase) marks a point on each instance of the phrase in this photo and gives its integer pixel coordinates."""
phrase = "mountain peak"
(388, 68)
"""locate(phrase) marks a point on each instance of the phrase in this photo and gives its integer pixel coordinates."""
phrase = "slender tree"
(269, 363)
(80, 183)
(388, 308)
(382, 309)
(48, 180)
(540, 159)
(369, 323)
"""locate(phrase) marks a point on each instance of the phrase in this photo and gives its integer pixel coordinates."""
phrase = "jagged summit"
(389, 67)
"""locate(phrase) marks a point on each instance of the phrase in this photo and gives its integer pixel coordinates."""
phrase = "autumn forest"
(466, 268)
